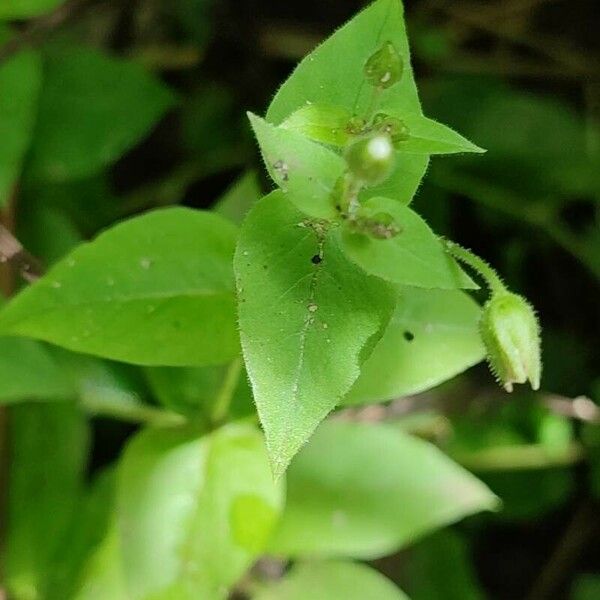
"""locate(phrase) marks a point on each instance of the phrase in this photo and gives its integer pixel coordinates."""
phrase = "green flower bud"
(384, 68)
(395, 128)
(511, 335)
(371, 159)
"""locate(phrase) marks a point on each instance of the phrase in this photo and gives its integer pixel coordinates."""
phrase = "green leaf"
(302, 305)
(365, 490)
(430, 137)
(49, 445)
(432, 337)
(332, 581)
(333, 73)
(439, 568)
(24, 9)
(239, 198)
(586, 587)
(29, 371)
(154, 290)
(326, 124)
(86, 123)
(193, 512)
(307, 170)
(20, 81)
(413, 257)
(103, 576)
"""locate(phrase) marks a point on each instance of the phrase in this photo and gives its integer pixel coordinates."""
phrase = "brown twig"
(14, 255)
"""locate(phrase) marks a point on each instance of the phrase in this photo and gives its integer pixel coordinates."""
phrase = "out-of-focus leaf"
(25, 9)
(29, 371)
(301, 301)
(432, 336)
(332, 581)
(49, 445)
(193, 512)
(157, 289)
(20, 81)
(439, 568)
(586, 587)
(366, 490)
(239, 198)
(87, 122)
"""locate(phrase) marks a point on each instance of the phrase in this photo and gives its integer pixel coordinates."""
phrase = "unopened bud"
(510, 333)
(384, 68)
(371, 159)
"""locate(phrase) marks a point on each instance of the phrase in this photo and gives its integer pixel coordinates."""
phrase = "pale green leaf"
(366, 490)
(413, 257)
(333, 73)
(20, 81)
(193, 512)
(432, 336)
(332, 581)
(326, 124)
(308, 318)
(25, 9)
(92, 109)
(305, 169)
(155, 290)
(49, 446)
(430, 137)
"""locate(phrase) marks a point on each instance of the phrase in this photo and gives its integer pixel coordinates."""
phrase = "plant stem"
(132, 413)
(225, 395)
(490, 276)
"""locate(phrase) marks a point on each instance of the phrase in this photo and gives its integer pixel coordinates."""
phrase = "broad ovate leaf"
(366, 490)
(432, 337)
(92, 109)
(157, 289)
(330, 580)
(414, 256)
(332, 74)
(193, 512)
(20, 81)
(308, 170)
(308, 318)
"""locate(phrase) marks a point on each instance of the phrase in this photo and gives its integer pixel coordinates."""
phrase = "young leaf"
(29, 371)
(49, 444)
(329, 580)
(325, 124)
(333, 73)
(193, 512)
(432, 336)
(86, 123)
(20, 81)
(25, 9)
(307, 319)
(154, 290)
(430, 137)
(306, 169)
(366, 490)
(412, 257)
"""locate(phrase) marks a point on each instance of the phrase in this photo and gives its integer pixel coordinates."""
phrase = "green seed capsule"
(395, 128)
(384, 68)
(371, 159)
(510, 333)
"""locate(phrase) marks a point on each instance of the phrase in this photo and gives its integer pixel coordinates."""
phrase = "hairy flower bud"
(510, 332)
(384, 68)
(370, 159)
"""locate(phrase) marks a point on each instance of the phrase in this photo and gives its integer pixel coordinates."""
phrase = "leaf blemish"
(409, 336)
